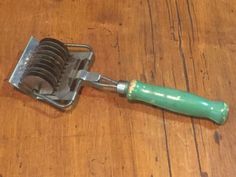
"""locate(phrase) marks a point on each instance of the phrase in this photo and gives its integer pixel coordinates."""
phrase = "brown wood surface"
(189, 45)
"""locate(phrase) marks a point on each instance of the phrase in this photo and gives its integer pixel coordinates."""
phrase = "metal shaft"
(99, 81)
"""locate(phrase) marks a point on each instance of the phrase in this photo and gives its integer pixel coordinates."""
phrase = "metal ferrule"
(122, 87)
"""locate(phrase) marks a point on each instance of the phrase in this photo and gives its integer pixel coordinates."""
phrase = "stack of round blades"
(46, 65)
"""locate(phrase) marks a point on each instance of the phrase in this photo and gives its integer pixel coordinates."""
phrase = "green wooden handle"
(178, 101)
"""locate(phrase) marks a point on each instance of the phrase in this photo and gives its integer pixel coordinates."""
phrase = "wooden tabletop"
(183, 44)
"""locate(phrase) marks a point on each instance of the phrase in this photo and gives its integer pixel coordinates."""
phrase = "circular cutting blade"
(58, 58)
(64, 50)
(47, 67)
(52, 49)
(40, 79)
(50, 59)
(50, 64)
(56, 43)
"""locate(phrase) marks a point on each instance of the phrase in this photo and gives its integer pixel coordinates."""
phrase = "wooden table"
(188, 45)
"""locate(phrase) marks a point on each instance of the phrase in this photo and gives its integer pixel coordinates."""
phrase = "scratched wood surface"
(189, 45)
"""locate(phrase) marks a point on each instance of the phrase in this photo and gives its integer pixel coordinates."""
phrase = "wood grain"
(189, 45)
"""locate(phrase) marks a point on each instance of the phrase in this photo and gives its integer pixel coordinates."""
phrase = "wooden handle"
(178, 101)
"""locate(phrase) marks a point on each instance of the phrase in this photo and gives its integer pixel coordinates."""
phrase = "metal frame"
(59, 98)
(65, 95)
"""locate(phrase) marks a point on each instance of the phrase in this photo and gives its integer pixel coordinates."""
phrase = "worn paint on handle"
(178, 101)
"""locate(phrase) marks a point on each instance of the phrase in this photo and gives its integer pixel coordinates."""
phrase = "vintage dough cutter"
(54, 72)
